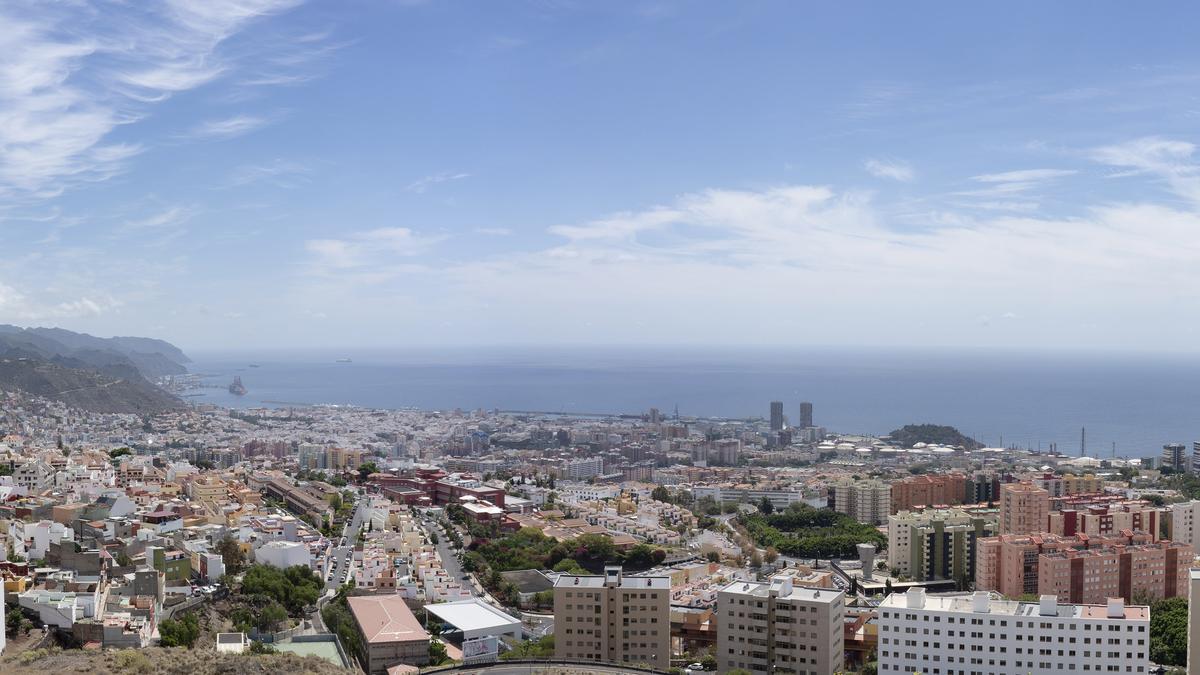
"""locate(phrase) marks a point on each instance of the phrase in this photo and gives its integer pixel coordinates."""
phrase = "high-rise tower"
(776, 415)
(805, 415)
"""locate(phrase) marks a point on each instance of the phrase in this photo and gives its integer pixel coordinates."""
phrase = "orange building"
(1023, 508)
(928, 490)
(1080, 566)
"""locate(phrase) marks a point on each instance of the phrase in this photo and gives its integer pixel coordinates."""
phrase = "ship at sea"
(237, 388)
(343, 361)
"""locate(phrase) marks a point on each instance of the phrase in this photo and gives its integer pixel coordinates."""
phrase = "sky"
(399, 173)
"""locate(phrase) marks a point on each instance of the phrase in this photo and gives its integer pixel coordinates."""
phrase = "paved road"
(341, 554)
(445, 552)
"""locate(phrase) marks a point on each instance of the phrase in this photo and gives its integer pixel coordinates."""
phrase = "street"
(340, 555)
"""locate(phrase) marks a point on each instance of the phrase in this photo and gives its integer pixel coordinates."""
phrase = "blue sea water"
(1138, 402)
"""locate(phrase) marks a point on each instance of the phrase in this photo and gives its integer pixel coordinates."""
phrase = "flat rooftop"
(963, 604)
(597, 581)
(763, 590)
(473, 615)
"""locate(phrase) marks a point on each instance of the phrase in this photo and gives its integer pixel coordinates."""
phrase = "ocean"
(1135, 402)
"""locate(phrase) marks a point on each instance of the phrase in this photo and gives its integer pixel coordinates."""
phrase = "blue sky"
(253, 173)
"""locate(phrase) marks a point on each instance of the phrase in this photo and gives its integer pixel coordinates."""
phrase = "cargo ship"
(237, 388)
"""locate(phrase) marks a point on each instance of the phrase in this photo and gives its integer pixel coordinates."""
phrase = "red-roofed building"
(390, 633)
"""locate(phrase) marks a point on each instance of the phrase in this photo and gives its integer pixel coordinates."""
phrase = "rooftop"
(763, 590)
(964, 603)
(386, 619)
(472, 615)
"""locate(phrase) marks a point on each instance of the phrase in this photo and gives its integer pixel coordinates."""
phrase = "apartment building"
(1183, 525)
(780, 498)
(779, 627)
(582, 469)
(1095, 517)
(937, 543)
(1023, 508)
(613, 618)
(978, 635)
(946, 489)
(1082, 568)
(867, 501)
(1154, 571)
(1069, 484)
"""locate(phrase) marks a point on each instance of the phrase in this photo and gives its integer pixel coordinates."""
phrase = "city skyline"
(439, 173)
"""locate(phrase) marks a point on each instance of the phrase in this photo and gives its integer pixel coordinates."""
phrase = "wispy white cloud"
(890, 168)
(74, 72)
(373, 251)
(1024, 176)
(229, 127)
(170, 217)
(494, 231)
(280, 173)
(1168, 159)
(423, 184)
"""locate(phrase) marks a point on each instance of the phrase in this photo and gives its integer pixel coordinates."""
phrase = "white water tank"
(866, 553)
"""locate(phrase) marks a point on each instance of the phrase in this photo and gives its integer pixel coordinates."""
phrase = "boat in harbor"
(237, 388)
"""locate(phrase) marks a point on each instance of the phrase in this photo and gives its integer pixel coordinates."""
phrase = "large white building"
(781, 499)
(975, 634)
(778, 627)
(583, 469)
(283, 554)
(1185, 523)
(867, 501)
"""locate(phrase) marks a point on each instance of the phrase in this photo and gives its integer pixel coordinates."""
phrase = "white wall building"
(1185, 522)
(283, 554)
(964, 634)
(777, 627)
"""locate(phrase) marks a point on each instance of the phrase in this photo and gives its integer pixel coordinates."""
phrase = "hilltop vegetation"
(806, 532)
(934, 434)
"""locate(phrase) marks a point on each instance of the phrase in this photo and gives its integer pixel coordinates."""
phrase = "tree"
(569, 566)
(437, 652)
(15, 621)
(118, 452)
(182, 633)
(770, 555)
(335, 502)
(257, 647)
(765, 507)
(887, 586)
(661, 494)
(366, 469)
(709, 662)
(231, 554)
(756, 560)
(271, 617)
(1168, 632)
(713, 556)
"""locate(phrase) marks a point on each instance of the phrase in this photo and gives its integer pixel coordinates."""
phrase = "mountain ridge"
(106, 375)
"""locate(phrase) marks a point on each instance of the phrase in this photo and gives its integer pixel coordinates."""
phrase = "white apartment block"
(781, 499)
(975, 634)
(868, 501)
(779, 627)
(583, 469)
(613, 618)
(1185, 520)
